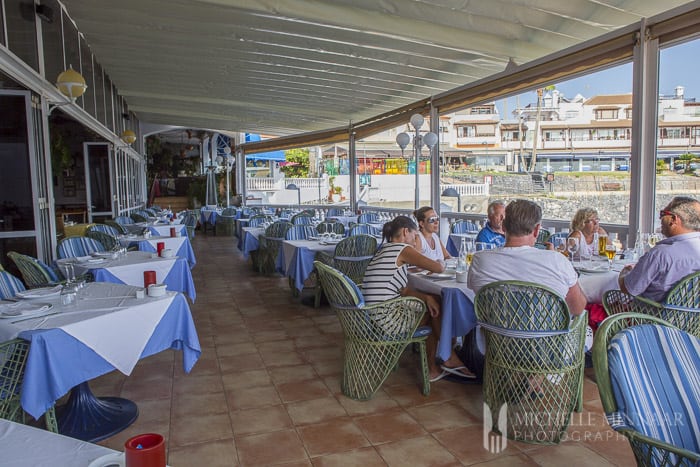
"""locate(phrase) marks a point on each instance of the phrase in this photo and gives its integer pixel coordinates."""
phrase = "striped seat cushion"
(9, 285)
(655, 378)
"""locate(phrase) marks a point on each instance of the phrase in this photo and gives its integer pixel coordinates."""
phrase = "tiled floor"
(266, 391)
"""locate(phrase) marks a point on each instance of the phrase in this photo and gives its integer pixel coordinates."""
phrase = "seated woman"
(428, 240)
(584, 226)
(386, 278)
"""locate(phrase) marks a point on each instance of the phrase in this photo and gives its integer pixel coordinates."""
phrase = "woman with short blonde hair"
(584, 226)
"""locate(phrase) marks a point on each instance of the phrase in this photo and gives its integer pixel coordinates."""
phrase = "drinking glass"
(68, 272)
(610, 253)
(653, 238)
(471, 248)
(572, 247)
(560, 244)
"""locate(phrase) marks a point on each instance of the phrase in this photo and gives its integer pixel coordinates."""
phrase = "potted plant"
(337, 194)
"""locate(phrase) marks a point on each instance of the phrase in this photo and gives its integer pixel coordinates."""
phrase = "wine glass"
(68, 272)
(572, 244)
(560, 244)
(470, 253)
(610, 253)
(653, 238)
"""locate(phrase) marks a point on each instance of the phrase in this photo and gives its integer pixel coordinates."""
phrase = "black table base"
(92, 419)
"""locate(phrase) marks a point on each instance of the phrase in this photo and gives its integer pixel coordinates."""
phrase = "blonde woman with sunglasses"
(428, 242)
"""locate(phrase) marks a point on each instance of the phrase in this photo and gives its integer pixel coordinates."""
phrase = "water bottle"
(462, 258)
(639, 245)
(596, 240)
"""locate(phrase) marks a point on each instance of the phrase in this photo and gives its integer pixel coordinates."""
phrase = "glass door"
(20, 202)
(98, 181)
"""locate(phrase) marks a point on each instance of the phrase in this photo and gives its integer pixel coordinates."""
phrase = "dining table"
(106, 328)
(129, 268)
(208, 217)
(249, 240)
(596, 278)
(27, 446)
(457, 306)
(454, 241)
(296, 258)
(163, 230)
(181, 245)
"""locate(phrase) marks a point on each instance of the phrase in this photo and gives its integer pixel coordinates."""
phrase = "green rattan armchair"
(375, 335)
(680, 308)
(13, 359)
(633, 363)
(270, 245)
(35, 272)
(108, 241)
(534, 358)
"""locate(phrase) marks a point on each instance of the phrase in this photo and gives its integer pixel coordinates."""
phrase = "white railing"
(468, 189)
(305, 182)
(260, 184)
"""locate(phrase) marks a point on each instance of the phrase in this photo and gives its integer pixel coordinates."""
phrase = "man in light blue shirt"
(672, 258)
(493, 230)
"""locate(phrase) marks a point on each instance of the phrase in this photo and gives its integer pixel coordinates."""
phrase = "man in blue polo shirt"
(493, 230)
(672, 258)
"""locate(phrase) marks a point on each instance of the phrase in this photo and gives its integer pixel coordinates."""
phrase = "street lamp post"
(453, 193)
(430, 139)
(292, 186)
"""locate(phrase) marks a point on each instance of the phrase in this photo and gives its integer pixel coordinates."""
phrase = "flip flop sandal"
(456, 371)
(438, 377)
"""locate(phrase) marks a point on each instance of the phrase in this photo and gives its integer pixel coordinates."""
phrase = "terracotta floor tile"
(467, 444)
(276, 359)
(245, 379)
(574, 453)
(389, 426)
(338, 435)
(253, 397)
(315, 411)
(271, 448)
(200, 428)
(365, 457)
(289, 374)
(302, 390)
(442, 415)
(378, 403)
(240, 363)
(234, 350)
(260, 420)
(424, 450)
(197, 404)
(221, 453)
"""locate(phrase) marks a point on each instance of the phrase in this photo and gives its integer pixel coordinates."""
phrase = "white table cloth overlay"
(128, 269)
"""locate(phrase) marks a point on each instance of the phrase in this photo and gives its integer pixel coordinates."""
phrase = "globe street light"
(430, 139)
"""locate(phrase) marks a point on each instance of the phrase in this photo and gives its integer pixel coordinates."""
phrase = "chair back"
(35, 272)
(543, 236)
(368, 218)
(303, 218)
(139, 217)
(108, 229)
(464, 226)
(71, 247)
(300, 232)
(257, 220)
(686, 292)
(9, 285)
(649, 383)
(108, 241)
(534, 358)
(340, 290)
(364, 229)
(353, 254)
(123, 220)
(336, 212)
(116, 226)
(277, 229)
(229, 212)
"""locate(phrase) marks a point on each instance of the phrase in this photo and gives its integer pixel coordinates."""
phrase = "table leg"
(92, 419)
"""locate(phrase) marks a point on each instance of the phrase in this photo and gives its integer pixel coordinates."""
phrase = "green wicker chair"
(534, 358)
(13, 358)
(632, 363)
(35, 273)
(543, 236)
(270, 244)
(122, 230)
(226, 224)
(375, 335)
(680, 308)
(108, 241)
(138, 217)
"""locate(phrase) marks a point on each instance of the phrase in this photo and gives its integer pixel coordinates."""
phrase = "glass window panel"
(100, 192)
(2, 26)
(99, 93)
(72, 49)
(21, 31)
(52, 39)
(16, 200)
(88, 74)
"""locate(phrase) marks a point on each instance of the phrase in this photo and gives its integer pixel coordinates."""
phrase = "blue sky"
(679, 65)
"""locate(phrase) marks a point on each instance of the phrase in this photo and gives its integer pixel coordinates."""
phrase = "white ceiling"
(282, 67)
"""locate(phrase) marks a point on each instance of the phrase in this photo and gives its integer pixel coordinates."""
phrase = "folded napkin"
(20, 310)
(40, 293)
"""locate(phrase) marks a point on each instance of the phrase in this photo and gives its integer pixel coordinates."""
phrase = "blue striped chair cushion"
(9, 285)
(72, 247)
(300, 232)
(123, 220)
(655, 378)
(108, 229)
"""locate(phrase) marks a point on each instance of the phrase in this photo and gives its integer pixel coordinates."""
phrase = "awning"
(277, 156)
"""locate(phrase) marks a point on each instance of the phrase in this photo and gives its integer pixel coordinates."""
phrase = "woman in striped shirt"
(386, 278)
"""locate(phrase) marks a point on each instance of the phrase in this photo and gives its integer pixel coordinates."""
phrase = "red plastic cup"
(146, 450)
(172, 232)
(149, 277)
(160, 246)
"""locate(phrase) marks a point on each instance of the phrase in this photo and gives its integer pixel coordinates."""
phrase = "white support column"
(435, 160)
(241, 174)
(644, 128)
(352, 161)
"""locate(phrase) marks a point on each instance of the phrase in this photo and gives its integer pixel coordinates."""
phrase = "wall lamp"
(128, 137)
(71, 84)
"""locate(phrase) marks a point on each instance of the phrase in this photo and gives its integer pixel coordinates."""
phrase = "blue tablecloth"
(207, 216)
(297, 259)
(185, 250)
(457, 309)
(57, 362)
(250, 241)
(179, 278)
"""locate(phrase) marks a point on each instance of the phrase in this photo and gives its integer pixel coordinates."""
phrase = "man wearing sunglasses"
(493, 230)
(672, 258)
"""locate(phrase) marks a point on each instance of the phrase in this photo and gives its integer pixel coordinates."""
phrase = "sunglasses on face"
(665, 213)
(593, 221)
(433, 220)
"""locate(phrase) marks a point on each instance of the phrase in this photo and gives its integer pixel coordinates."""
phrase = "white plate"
(23, 309)
(44, 292)
(96, 260)
(115, 459)
(443, 275)
(594, 269)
